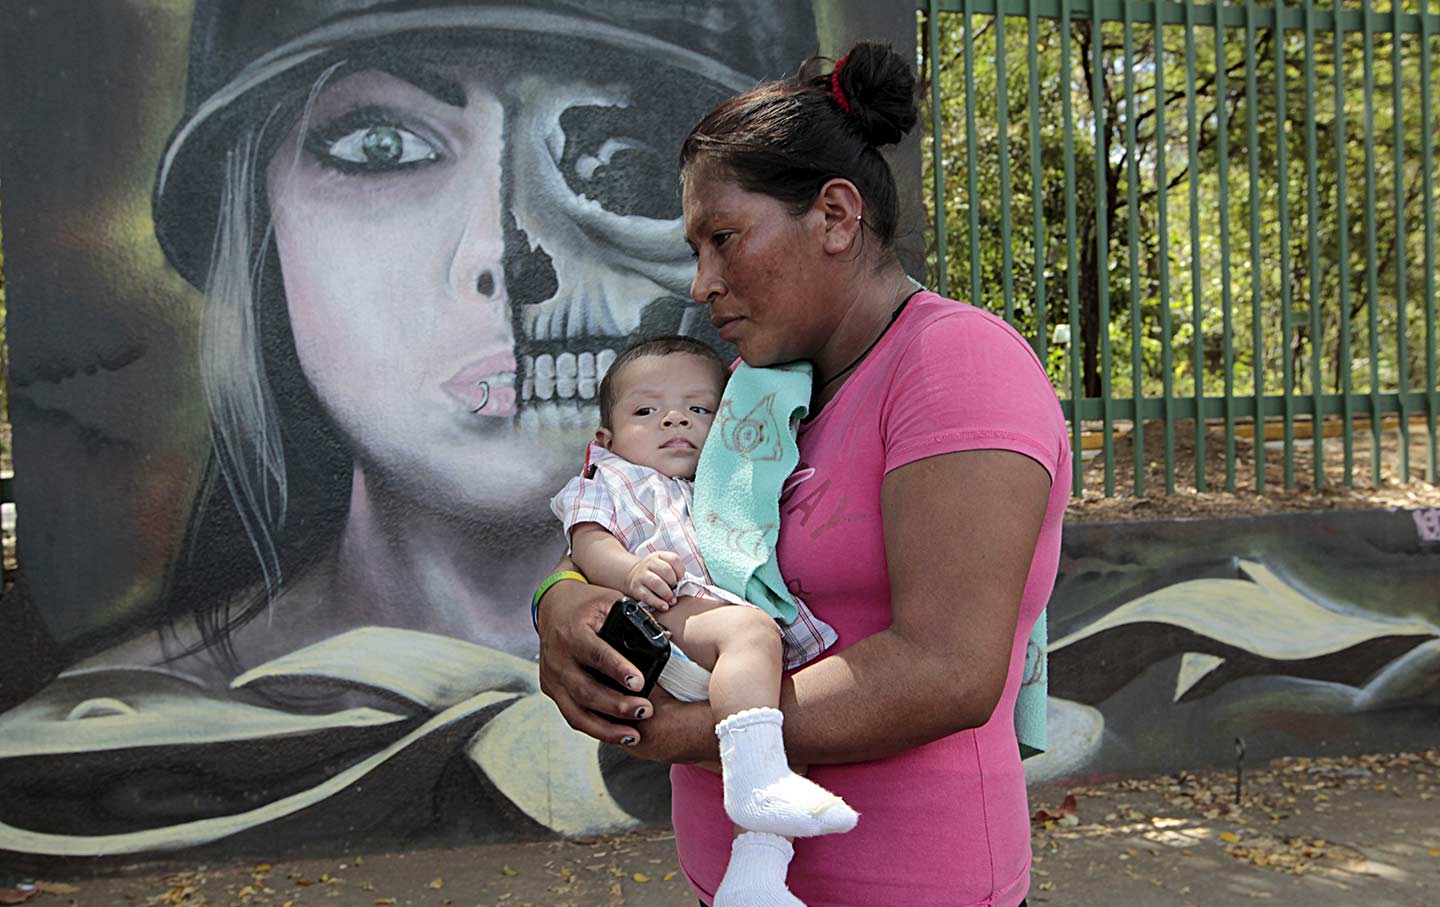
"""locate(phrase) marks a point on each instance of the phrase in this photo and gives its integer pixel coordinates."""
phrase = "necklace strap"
(894, 316)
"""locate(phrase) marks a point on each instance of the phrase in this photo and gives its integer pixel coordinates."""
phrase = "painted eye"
(369, 142)
(382, 147)
(621, 158)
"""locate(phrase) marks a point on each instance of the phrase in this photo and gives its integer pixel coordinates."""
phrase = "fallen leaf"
(507, 871)
(1067, 808)
(640, 877)
(1229, 836)
(384, 902)
(437, 884)
(18, 895)
(57, 887)
(1434, 851)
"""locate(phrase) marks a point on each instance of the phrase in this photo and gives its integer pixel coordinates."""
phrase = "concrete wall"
(1304, 633)
(308, 303)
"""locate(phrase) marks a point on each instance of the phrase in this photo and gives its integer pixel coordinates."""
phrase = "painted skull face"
(595, 195)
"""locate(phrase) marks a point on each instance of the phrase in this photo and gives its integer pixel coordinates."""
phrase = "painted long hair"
(277, 481)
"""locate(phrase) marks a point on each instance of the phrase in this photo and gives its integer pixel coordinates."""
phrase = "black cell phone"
(631, 630)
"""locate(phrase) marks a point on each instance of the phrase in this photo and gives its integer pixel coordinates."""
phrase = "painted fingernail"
(641, 712)
(627, 741)
(632, 681)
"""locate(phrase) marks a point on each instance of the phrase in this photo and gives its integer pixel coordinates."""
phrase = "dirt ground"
(1093, 507)
(1332, 832)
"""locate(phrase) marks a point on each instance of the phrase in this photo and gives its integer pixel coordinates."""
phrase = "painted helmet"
(245, 55)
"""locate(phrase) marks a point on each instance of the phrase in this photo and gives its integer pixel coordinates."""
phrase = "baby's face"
(663, 409)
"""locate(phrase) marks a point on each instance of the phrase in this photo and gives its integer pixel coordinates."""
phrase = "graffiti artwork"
(309, 301)
(1298, 634)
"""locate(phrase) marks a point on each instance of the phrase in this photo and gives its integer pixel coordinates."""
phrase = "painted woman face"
(388, 202)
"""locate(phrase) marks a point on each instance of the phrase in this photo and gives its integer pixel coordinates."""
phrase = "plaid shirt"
(648, 512)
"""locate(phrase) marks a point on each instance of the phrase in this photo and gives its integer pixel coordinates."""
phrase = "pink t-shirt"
(945, 824)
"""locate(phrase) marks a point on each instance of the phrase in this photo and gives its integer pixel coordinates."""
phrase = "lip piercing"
(484, 399)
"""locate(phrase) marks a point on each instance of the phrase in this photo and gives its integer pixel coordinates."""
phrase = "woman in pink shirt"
(923, 522)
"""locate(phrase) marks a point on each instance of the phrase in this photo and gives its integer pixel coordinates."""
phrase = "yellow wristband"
(544, 587)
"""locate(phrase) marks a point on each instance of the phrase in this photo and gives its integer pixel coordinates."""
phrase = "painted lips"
(486, 387)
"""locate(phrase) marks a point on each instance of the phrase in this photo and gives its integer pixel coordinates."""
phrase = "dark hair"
(787, 139)
(656, 346)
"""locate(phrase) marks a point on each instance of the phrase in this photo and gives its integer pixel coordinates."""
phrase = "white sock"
(756, 874)
(762, 793)
(683, 678)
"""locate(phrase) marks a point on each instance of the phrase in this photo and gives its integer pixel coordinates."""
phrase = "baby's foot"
(762, 793)
(756, 874)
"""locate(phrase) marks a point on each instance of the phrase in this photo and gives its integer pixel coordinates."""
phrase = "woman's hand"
(570, 616)
(678, 732)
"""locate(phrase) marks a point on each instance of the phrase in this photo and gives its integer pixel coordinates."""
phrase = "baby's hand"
(653, 579)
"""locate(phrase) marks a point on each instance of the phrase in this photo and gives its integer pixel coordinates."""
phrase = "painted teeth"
(567, 376)
(586, 382)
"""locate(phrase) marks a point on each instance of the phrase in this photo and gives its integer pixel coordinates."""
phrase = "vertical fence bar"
(1197, 274)
(1257, 320)
(1372, 283)
(1427, 170)
(1312, 205)
(1167, 369)
(1132, 207)
(1282, 157)
(1002, 86)
(942, 242)
(1102, 241)
(1072, 290)
(1402, 345)
(1037, 185)
(1222, 146)
(1342, 231)
(972, 187)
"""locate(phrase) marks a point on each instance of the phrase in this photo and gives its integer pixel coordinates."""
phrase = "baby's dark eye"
(645, 411)
(702, 410)
(366, 141)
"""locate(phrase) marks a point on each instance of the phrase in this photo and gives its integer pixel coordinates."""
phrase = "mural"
(1300, 634)
(309, 303)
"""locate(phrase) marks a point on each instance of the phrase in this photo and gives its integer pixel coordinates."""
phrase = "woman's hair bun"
(879, 85)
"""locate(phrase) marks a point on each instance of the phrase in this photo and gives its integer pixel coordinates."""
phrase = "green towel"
(747, 458)
(1033, 699)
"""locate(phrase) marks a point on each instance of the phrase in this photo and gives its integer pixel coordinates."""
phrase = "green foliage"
(1228, 253)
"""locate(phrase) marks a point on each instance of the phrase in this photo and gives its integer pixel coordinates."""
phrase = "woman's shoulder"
(938, 327)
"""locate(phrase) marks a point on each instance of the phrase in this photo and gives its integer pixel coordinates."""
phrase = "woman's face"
(386, 204)
(757, 270)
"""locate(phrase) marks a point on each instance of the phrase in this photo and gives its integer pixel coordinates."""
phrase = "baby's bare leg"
(740, 646)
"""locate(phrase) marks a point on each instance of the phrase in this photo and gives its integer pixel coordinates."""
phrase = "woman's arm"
(960, 534)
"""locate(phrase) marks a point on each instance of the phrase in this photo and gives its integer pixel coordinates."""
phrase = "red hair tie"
(836, 91)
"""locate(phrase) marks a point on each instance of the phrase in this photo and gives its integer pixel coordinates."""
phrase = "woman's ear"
(841, 209)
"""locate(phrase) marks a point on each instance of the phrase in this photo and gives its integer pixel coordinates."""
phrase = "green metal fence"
(1210, 220)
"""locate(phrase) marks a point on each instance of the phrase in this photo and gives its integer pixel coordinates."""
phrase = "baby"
(628, 519)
